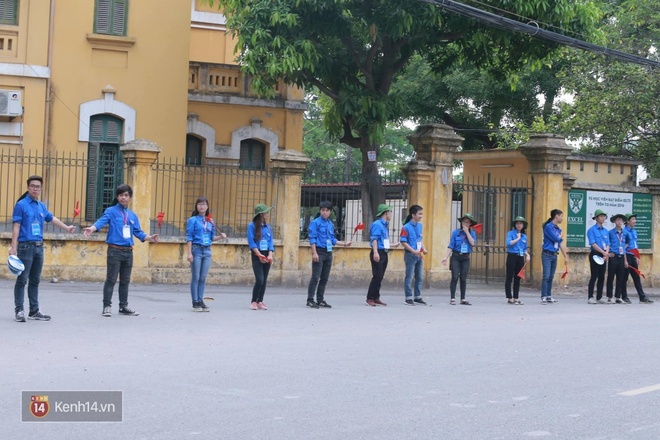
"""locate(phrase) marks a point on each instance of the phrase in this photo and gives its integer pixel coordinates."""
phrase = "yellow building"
(83, 78)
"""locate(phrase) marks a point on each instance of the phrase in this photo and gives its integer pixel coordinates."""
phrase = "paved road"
(489, 371)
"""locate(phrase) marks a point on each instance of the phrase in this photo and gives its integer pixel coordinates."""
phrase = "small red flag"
(521, 274)
(565, 273)
(358, 227)
(634, 269)
(208, 216)
(635, 252)
(478, 227)
(76, 210)
(160, 217)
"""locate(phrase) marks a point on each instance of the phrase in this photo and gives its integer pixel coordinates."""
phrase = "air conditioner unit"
(10, 103)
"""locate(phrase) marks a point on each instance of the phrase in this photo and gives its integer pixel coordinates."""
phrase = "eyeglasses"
(35, 186)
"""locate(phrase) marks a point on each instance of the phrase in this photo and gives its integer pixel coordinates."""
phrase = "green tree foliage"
(353, 51)
(616, 107)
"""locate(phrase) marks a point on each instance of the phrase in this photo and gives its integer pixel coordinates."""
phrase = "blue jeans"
(33, 258)
(549, 262)
(200, 268)
(414, 268)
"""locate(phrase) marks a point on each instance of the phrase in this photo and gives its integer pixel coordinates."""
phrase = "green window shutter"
(105, 167)
(9, 12)
(102, 17)
(92, 176)
(119, 10)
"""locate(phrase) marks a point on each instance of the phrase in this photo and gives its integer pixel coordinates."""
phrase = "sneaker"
(38, 316)
(601, 301)
(311, 304)
(370, 302)
(262, 306)
(592, 301)
(420, 301)
(409, 302)
(610, 300)
(107, 311)
(20, 316)
(645, 300)
(378, 302)
(544, 300)
(619, 301)
(196, 306)
(452, 302)
(627, 300)
(551, 300)
(253, 306)
(324, 305)
(128, 312)
(204, 307)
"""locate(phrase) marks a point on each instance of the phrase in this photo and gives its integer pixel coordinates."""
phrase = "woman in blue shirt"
(411, 240)
(260, 240)
(552, 243)
(460, 247)
(379, 236)
(200, 233)
(517, 256)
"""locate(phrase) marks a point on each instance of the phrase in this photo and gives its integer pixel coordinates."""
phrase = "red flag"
(358, 227)
(208, 216)
(160, 217)
(478, 227)
(634, 269)
(76, 211)
(565, 273)
(521, 274)
(635, 252)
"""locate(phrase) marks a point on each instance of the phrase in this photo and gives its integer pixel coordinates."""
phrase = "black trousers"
(459, 266)
(378, 272)
(261, 276)
(616, 268)
(637, 281)
(320, 275)
(597, 274)
(514, 263)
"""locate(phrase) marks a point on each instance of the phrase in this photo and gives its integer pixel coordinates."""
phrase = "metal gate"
(495, 203)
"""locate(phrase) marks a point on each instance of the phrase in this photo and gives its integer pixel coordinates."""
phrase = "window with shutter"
(105, 166)
(110, 17)
(9, 12)
(193, 150)
(253, 154)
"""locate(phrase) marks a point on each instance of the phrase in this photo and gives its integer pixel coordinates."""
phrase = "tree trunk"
(373, 192)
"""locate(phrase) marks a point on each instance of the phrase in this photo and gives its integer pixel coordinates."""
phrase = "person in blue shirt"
(27, 239)
(632, 251)
(516, 258)
(460, 246)
(122, 224)
(260, 241)
(553, 242)
(413, 257)
(379, 237)
(321, 233)
(618, 264)
(599, 241)
(200, 233)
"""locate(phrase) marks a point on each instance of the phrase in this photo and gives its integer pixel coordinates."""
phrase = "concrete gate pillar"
(290, 165)
(546, 154)
(139, 155)
(430, 180)
(654, 188)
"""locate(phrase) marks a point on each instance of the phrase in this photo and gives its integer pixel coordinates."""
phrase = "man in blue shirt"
(379, 236)
(618, 265)
(123, 224)
(599, 241)
(411, 240)
(321, 233)
(27, 240)
(632, 253)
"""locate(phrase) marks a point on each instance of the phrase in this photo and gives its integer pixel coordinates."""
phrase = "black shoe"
(420, 301)
(324, 305)
(410, 302)
(311, 304)
(128, 312)
(38, 316)
(196, 307)
(204, 307)
(645, 300)
(627, 300)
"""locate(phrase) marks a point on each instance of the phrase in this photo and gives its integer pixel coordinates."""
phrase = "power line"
(534, 30)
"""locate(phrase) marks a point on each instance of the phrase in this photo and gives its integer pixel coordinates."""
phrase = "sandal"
(452, 302)
(519, 303)
(465, 302)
